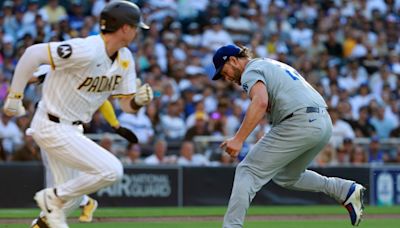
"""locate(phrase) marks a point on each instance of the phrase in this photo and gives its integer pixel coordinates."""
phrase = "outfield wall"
(193, 186)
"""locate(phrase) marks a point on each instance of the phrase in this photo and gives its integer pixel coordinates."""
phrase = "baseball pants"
(282, 155)
(78, 164)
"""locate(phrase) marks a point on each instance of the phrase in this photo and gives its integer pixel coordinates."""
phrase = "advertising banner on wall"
(385, 185)
(143, 187)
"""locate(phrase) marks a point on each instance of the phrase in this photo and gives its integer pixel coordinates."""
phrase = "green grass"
(204, 211)
(219, 211)
(250, 224)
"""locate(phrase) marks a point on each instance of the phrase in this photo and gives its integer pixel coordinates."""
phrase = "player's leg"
(48, 175)
(296, 176)
(67, 144)
(88, 205)
(41, 221)
(98, 167)
(273, 152)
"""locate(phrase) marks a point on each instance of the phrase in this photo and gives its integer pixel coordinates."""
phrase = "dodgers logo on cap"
(221, 56)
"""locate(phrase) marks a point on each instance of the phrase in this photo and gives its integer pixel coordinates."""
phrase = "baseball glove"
(127, 134)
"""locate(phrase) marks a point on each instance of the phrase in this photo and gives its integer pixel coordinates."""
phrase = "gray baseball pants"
(282, 155)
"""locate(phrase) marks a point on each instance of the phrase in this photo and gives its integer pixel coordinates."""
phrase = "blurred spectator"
(11, 135)
(382, 124)
(326, 157)
(210, 101)
(139, 123)
(188, 157)
(376, 155)
(154, 116)
(200, 127)
(371, 62)
(107, 143)
(159, 156)
(53, 12)
(358, 156)
(342, 156)
(215, 36)
(302, 35)
(172, 124)
(234, 120)
(98, 5)
(132, 155)
(238, 27)
(333, 47)
(31, 11)
(199, 110)
(381, 78)
(348, 145)
(76, 18)
(362, 126)
(193, 38)
(355, 76)
(341, 129)
(362, 98)
(28, 152)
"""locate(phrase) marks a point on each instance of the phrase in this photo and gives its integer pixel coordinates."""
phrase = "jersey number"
(293, 74)
(290, 71)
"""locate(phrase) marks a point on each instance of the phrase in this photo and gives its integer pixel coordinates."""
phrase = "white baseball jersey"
(83, 77)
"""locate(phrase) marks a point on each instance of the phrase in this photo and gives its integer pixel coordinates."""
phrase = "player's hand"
(232, 146)
(13, 105)
(127, 134)
(144, 95)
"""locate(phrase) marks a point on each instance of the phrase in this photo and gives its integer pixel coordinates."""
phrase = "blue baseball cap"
(221, 56)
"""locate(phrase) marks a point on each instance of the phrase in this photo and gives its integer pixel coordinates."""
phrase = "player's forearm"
(254, 114)
(28, 63)
(127, 106)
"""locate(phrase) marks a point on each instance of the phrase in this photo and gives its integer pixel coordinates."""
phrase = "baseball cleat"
(88, 210)
(40, 222)
(51, 205)
(354, 203)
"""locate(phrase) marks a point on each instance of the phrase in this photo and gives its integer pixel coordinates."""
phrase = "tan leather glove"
(13, 105)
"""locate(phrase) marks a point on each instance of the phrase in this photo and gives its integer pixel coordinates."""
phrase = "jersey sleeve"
(250, 78)
(70, 54)
(128, 84)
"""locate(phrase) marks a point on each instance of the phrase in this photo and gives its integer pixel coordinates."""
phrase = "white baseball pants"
(78, 164)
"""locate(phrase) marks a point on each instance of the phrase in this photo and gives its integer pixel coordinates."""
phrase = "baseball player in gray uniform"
(301, 127)
(85, 72)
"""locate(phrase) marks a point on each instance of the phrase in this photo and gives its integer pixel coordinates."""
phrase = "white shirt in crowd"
(139, 123)
(197, 160)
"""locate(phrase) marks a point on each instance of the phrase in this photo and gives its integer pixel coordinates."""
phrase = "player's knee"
(284, 183)
(114, 174)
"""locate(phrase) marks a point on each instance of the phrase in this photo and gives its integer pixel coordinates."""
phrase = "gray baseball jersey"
(287, 89)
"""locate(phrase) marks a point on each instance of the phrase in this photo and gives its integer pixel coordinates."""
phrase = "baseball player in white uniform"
(301, 127)
(88, 204)
(85, 73)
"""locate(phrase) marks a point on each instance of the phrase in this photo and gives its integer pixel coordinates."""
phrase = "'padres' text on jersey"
(83, 67)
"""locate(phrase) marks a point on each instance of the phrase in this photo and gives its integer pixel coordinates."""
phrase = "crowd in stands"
(349, 51)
